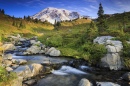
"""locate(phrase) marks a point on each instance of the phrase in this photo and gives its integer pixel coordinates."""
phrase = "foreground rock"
(112, 59)
(8, 47)
(126, 76)
(106, 84)
(33, 50)
(28, 71)
(8, 56)
(84, 82)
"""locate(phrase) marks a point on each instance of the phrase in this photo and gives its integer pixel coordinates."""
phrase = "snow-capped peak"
(51, 14)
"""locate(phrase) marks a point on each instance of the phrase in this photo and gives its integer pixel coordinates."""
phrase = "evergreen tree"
(57, 25)
(91, 31)
(101, 20)
(36, 20)
(124, 20)
(24, 17)
(21, 25)
(2, 11)
(13, 24)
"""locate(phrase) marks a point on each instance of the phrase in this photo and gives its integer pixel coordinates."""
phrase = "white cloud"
(88, 9)
(90, 0)
(123, 5)
(94, 7)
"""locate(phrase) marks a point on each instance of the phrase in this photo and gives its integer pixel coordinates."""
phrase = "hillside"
(115, 20)
(11, 25)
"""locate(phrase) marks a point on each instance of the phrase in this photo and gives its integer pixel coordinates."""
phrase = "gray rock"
(102, 39)
(53, 52)
(20, 61)
(113, 61)
(84, 82)
(7, 62)
(9, 47)
(33, 49)
(107, 84)
(28, 71)
(126, 76)
(15, 66)
(8, 56)
(23, 71)
(9, 69)
(30, 82)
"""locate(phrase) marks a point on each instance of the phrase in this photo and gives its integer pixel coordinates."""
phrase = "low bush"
(95, 52)
(5, 77)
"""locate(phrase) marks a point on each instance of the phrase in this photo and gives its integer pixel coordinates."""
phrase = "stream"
(68, 71)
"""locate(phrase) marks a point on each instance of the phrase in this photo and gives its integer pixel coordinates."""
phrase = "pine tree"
(13, 24)
(124, 20)
(91, 31)
(57, 25)
(24, 17)
(2, 11)
(101, 20)
(21, 25)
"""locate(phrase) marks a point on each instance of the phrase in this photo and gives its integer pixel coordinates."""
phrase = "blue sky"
(19, 8)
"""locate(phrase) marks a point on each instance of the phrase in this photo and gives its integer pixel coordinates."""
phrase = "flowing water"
(65, 76)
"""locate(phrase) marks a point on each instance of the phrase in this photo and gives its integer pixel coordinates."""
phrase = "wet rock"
(30, 82)
(15, 66)
(9, 69)
(7, 62)
(126, 76)
(42, 51)
(107, 84)
(9, 47)
(33, 50)
(8, 56)
(84, 82)
(29, 70)
(20, 61)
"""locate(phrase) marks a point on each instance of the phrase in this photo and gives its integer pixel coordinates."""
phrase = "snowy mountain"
(51, 14)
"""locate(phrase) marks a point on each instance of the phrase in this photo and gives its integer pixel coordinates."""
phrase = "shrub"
(127, 62)
(96, 51)
(6, 77)
(69, 52)
(55, 41)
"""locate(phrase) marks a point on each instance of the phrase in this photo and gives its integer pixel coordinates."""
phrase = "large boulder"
(107, 84)
(126, 76)
(84, 82)
(102, 39)
(53, 52)
(29, 70)
(8, 47)
(112, 59)
(33, 50)
(15, 39)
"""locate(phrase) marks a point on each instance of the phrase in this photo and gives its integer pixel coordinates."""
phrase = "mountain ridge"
(52, 14)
